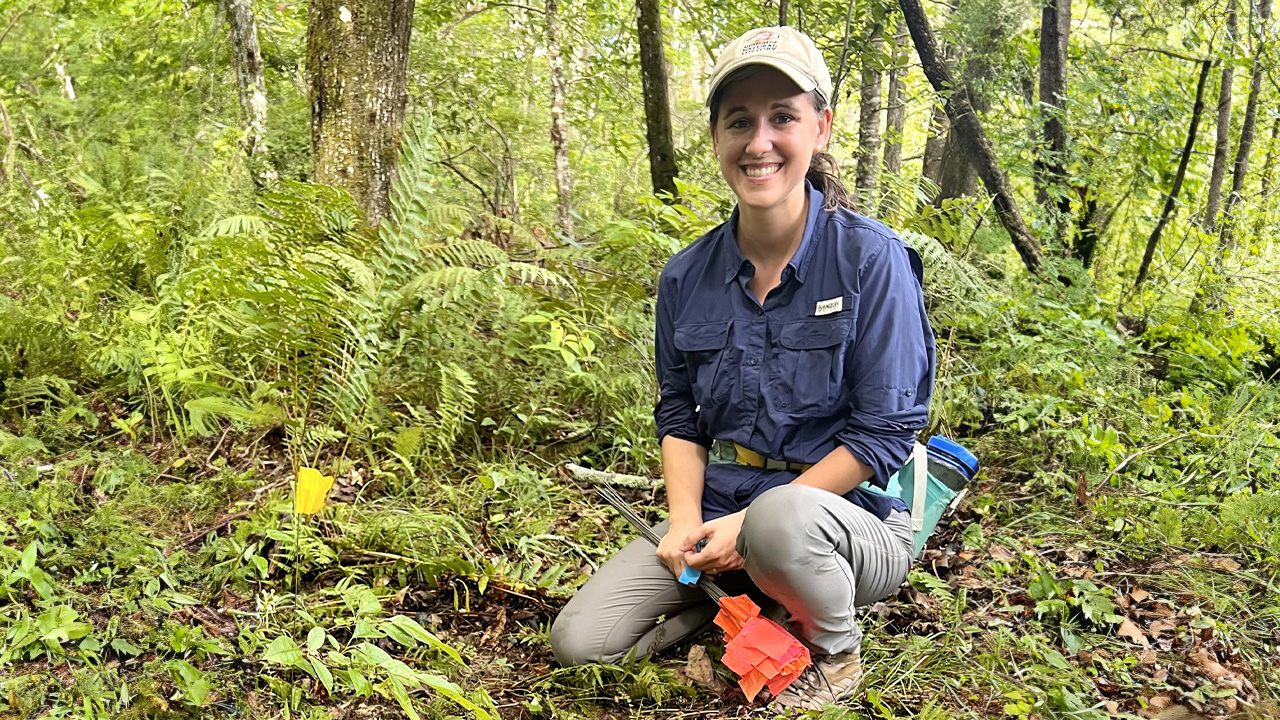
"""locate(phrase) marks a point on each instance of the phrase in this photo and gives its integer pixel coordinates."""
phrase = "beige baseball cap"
(784, 48)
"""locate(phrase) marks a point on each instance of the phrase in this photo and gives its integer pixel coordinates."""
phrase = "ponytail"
(824, 176)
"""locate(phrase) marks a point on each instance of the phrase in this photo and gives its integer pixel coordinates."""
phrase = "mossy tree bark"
(1259, 23)
(357, 64)
(1222, 139)
(896, 103)
(870, 113)
(657, 108)
(252, 84)
(559, 128)
(969, 132)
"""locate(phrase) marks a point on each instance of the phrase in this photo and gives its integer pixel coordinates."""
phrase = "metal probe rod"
(613, 498)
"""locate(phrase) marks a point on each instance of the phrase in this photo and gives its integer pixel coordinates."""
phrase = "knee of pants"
(575, 641)
(572, 645)
(773, 526)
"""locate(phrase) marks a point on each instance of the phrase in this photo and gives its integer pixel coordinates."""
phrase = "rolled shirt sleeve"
(676, 412)
(891, 365)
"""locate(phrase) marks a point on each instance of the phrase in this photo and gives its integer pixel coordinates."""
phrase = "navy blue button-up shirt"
(840, 353)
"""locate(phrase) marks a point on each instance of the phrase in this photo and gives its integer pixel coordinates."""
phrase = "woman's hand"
(721, 552)
(670, 548)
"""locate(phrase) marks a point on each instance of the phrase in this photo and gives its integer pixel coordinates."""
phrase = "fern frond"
(239, 226)
(459, 396)
(432, 283)
(478, 254)
(947, 270)
(528, 274)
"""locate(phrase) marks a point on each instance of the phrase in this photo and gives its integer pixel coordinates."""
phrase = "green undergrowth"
(1115, 470)
(1117, 555)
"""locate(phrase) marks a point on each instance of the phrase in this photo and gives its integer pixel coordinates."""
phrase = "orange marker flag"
(760, 651)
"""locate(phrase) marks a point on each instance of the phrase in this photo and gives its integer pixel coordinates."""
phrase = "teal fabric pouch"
(927, 497)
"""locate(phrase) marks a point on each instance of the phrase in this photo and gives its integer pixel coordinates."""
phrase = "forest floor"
(176, 565)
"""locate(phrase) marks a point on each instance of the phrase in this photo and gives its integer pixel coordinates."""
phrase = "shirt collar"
(799, 262)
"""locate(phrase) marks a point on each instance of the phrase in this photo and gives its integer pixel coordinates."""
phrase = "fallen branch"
(600, 477)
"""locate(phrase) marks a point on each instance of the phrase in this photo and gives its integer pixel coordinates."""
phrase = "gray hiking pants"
(815, 553)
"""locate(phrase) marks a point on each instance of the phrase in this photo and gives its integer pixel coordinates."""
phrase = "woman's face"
(765, 133)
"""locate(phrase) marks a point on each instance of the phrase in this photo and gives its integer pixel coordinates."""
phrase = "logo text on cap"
(763, 41)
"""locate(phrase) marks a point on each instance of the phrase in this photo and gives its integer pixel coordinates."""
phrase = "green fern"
(459, 395)
(947, 272)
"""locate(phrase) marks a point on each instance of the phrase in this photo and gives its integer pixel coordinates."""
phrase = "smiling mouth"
(761, 171)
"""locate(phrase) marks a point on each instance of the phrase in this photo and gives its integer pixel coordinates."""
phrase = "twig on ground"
(221, 524)
(600, 477)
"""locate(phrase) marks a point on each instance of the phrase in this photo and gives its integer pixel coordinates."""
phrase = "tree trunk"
(782, 12)
(252, 84)
(357, 62)
(1172, 200)
(935, 144)
(957, 176)
(1087, 244)
(939, 129)
(837, 80)
(559, 129)
(1265, 176)
(896, 104)
(869, 114)
(1241, 167)
(1222, 143)
(657, 109)
(1051, 182)
(1269, 164)
(968, 129)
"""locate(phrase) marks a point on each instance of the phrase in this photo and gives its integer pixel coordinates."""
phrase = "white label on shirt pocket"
(826, 307)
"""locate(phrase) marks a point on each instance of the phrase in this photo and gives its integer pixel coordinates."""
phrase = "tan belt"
(751, 458)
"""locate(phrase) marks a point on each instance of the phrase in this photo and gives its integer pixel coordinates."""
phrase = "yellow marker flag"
(308, 497)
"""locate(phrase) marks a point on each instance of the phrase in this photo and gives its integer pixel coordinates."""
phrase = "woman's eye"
(739, 123)
(784, 119)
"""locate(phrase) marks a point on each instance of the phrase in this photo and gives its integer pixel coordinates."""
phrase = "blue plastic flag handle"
(690, 576)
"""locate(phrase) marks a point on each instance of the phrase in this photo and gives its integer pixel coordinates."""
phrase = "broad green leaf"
(198, 691)
(402, 696)
(410, 627)
(453, 692)
(282, 651)
(323, 675)
(315, 639)
(359, 683)
(29, 557)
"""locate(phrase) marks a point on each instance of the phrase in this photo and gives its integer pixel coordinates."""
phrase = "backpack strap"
(920, 486)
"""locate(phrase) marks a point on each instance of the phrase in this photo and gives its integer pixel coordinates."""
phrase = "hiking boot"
(832, 679)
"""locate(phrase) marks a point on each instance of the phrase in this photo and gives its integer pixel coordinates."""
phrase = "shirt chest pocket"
(811, 359)
(706, 352)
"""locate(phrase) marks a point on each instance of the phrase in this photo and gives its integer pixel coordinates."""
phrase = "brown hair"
(824, 171)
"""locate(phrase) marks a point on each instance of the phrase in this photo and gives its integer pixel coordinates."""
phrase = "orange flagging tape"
(760, 651)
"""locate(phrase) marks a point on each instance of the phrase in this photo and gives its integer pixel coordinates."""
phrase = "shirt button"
(784, 404)
(910, 393)
(755, 361)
